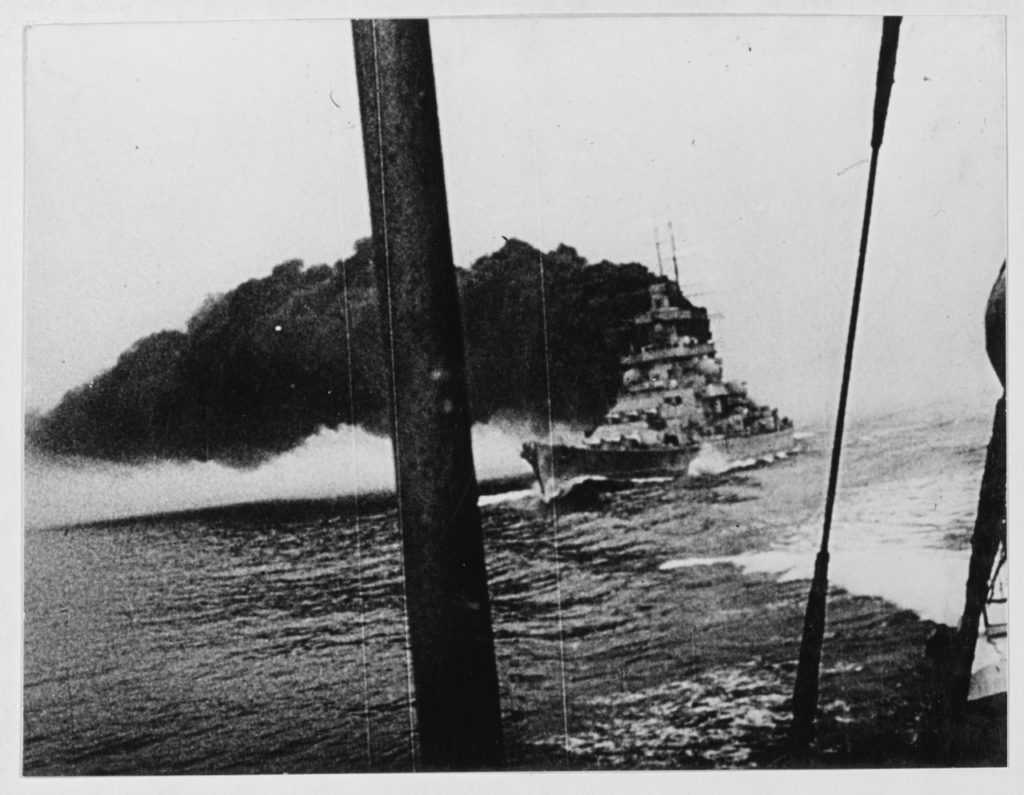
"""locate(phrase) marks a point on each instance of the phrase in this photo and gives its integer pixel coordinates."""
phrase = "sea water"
(654, 628)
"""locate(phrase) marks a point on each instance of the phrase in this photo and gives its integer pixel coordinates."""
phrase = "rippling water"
(268, 641)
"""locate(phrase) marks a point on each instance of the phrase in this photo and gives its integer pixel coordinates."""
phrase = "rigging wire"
(554, 506)
(995, 595)
(551, 443)
(394, 392)
(360, 595)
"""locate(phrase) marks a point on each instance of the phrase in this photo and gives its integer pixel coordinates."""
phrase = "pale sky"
(169, 161)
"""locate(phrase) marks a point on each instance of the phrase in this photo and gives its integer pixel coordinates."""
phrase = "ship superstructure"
(672, 404)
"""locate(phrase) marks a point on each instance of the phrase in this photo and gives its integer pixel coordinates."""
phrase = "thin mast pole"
(675, 262)
(449, 614)
(805, 692)
(657, 248)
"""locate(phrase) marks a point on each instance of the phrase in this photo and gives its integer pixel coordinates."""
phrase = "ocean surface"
(652, 626)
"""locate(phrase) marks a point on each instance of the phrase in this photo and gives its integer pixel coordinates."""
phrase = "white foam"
(867, 573)
(687, 563)
(888, 541)
(508, 496)
(709, 461)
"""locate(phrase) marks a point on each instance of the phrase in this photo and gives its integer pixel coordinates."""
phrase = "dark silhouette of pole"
(989, 534)
(990, 523)
(805, 692)
(450, 634)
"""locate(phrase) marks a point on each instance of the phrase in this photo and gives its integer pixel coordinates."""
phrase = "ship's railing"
(668, 353)
(661, 314)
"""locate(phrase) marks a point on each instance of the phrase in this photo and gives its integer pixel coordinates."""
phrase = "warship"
(673, 407)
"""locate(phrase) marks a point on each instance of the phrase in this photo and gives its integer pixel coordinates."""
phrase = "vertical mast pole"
(805, 692)
(675, 262)
(449, 613)
(657, 248)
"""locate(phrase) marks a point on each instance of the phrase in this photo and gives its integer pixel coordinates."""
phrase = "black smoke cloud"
(264, 366)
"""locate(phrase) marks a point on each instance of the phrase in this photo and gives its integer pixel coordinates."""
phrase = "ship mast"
(450, 636)
(805, 691)
(657, 248)
(675, 262)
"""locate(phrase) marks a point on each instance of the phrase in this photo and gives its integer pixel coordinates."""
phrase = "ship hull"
(558, 466)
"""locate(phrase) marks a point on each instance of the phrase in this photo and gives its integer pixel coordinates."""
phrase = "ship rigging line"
(360, 595)
(554, 505)
(394, 396)
(805, 691)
